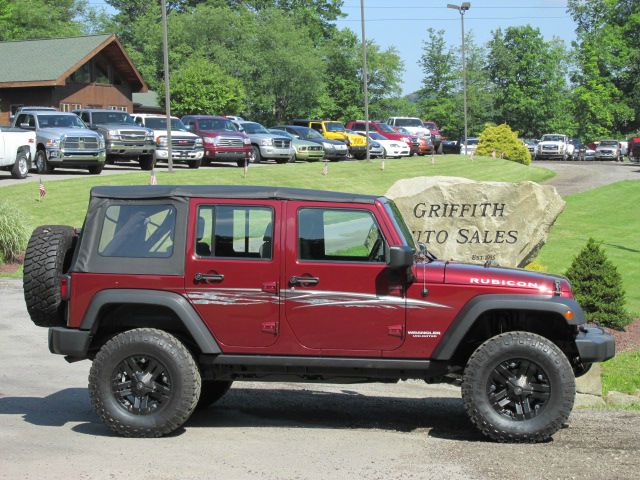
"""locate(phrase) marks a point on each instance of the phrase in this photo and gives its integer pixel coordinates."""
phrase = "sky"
(404, 23)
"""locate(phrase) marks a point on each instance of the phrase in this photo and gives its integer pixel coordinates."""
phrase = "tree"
(597, 286)
(607, 80)
(201, 87)
(29, 19)
(529, 78)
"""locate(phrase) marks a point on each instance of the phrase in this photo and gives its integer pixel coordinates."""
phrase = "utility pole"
(365, 77)
(167, 94)
(463, 8)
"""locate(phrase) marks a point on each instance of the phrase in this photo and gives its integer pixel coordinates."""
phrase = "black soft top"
(227, 191)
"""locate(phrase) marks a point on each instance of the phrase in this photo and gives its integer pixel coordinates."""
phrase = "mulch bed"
(13, 266)
(628, 340)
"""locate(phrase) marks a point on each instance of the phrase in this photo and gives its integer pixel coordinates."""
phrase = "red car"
(223, 142)
(436, 137)
(175, 292)
(382, 128)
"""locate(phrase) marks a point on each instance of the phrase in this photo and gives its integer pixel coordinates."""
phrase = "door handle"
(212, 278)
(304, 281)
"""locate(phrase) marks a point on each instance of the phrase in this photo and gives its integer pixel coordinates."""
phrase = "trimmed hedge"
(505, 142)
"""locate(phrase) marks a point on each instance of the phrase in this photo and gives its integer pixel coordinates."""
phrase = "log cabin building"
(92, 71)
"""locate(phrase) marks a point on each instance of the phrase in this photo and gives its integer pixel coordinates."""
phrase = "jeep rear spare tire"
(48, 256)
(518, 387)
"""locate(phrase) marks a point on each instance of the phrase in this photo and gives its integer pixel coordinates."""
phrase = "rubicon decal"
(504, 283)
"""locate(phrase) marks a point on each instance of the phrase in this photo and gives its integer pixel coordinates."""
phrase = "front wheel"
(518, 387)
(146, 162)
(96, 169)
(144, 383)
(194, 164)
(256, 157)
(42, 166)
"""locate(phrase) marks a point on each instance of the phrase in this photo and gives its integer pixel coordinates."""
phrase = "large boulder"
(475, 222)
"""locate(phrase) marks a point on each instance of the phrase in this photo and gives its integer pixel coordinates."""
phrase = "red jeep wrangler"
(174, 292)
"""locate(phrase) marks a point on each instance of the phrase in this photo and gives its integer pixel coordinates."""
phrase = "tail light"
(65, 287)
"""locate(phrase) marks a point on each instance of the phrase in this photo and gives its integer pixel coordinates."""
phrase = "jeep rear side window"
(225, 231)
(339, 235)
(138, 231)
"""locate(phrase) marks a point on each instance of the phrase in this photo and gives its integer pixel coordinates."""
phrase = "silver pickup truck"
(124, 139)
(62, 140)
(17, 148)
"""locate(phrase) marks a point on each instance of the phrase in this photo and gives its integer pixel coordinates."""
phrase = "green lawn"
(66, 200)
(622, 373)
(609, 214)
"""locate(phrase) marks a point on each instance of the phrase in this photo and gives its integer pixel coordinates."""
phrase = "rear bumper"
(69, 341)
(594, 345)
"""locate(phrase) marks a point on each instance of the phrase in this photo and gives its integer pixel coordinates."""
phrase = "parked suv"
(267, 145)
(186, 147)
(63, 140)
(175, 292)
(609, 150)
(223, 140)
(124, 140)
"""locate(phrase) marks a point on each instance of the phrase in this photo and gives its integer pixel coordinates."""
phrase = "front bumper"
(310, 155)
(75, 158)
(267, 151)
(180, 155)
(231, 155)
(594, 345)
(69, 341)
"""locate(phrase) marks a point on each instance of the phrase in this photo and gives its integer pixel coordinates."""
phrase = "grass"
(622, 374)
(608, 214)
(66, 200)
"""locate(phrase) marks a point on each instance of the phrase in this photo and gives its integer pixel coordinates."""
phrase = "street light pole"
(167, 95)
(365, 76)
(463, 8)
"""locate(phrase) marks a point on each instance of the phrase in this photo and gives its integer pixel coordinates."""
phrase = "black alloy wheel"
(141, 384)
(518, 389)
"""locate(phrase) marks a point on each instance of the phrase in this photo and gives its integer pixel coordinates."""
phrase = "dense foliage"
(504, 141)
(13, 232)
(597, 286)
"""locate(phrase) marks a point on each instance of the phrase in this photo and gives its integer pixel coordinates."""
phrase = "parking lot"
(278, 430)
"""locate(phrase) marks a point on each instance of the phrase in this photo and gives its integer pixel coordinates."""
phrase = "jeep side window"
(317, 127)
(339, 235)
(138, 231)
(234, 231)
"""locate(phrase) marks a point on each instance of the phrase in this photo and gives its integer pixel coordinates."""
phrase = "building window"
(82, 75)
(70, 107)
(119, 108)
(101, 73)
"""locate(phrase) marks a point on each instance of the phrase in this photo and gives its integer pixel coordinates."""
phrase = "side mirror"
(189, 127)
(400, 257)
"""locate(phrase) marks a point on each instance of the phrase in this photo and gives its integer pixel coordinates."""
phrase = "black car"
(451, 146)
(334, 150)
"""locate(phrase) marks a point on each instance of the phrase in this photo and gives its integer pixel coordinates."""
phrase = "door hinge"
(270, 327)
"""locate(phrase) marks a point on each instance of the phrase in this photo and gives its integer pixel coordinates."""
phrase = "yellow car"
(336, 131)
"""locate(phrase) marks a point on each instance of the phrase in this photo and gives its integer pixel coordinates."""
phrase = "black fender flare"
(171, 300)
(484, 303)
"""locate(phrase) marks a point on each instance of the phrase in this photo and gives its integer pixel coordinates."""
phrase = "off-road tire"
(178, 364)
(211, 392)
(511, 346)
(194, 164)
(20, 169)
(96, 169)
(48, 256)
(147, 162)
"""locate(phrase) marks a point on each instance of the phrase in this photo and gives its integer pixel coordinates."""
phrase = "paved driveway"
(48, 429)
(576, 177)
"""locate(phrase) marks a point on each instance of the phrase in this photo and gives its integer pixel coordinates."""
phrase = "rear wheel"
(144, 383)
(20, 169)
(518, 387)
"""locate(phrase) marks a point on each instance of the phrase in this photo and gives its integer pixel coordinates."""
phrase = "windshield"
(530, 142)
(609, 143)
(471, 141)
(60, 121)
(111, 117)
(430, 125)
(305, 132)
(334, 127)
(376, 136)
(160, 123)
(216, 125)
(282, 133)
(408, 122)
(252, 127)
(552, 138)
(398, 222)
(386, 128)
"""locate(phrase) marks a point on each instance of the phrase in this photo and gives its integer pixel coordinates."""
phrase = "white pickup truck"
(17, 149)
(555, 146)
